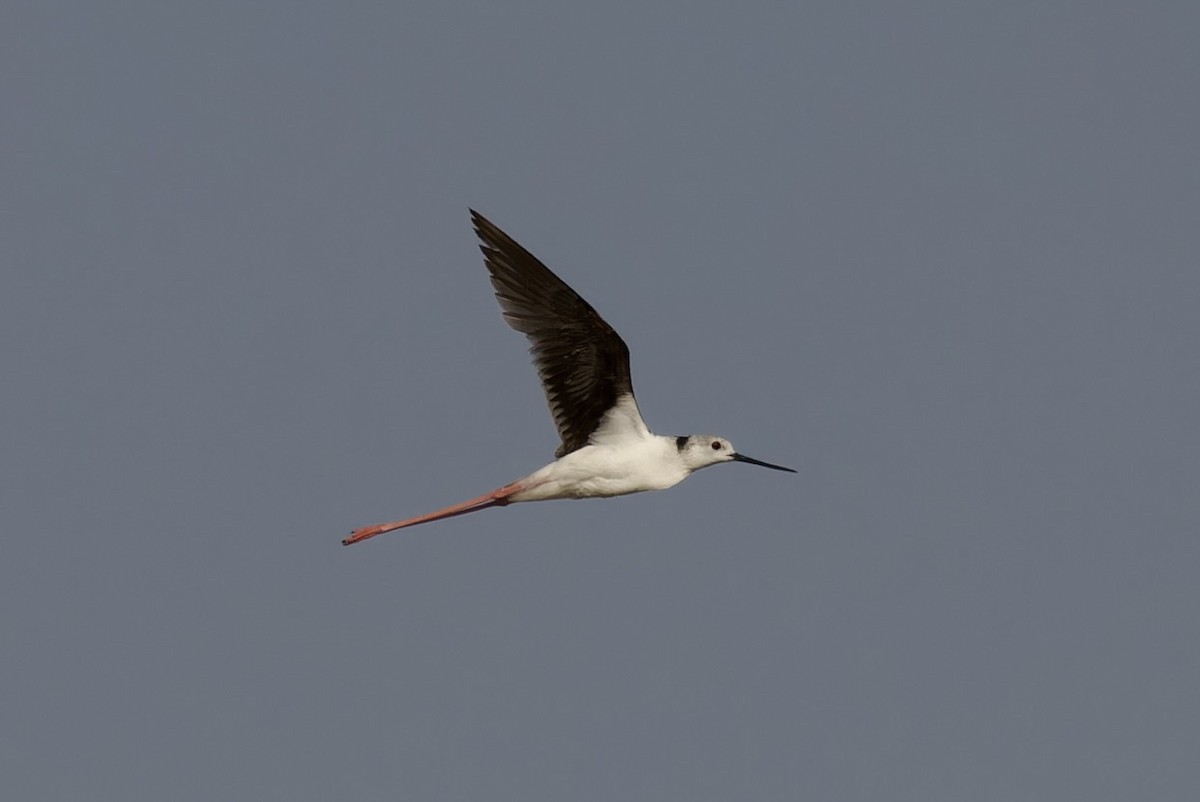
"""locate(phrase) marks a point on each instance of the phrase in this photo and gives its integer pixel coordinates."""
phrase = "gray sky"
(943, 258)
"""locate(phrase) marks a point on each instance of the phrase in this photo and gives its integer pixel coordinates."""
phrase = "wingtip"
(483, 227)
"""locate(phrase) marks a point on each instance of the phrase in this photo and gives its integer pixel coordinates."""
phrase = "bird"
(607, 449)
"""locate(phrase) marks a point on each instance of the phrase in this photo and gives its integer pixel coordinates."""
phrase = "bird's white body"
(622, 457)
(650, 463)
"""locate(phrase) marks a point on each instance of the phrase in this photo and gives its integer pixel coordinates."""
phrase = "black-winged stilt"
(607, 449)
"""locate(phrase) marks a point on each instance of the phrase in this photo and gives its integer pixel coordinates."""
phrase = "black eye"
(716, 446)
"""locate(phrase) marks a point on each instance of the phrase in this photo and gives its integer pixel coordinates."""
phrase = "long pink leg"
(497, 498)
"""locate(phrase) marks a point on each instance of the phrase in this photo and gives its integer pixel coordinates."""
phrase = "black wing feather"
(582, 362)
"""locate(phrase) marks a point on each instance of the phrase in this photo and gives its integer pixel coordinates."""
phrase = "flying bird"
(607, 449)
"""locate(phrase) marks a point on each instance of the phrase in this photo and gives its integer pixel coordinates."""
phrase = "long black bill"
(752, 461)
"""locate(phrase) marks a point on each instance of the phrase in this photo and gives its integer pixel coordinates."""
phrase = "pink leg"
(497, 498)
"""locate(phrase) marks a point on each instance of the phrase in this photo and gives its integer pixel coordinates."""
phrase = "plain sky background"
(942, 257)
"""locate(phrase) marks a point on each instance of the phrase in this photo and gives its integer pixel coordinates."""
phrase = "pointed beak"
(752, 461)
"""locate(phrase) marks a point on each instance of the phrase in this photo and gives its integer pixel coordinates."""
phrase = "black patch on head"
(681, 442)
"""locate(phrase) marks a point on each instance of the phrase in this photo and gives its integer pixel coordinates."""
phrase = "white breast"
(633, 465)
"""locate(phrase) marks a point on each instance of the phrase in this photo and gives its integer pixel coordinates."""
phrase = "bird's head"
(701, 450)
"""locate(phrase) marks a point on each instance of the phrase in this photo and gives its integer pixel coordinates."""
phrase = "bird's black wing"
(582, 362)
